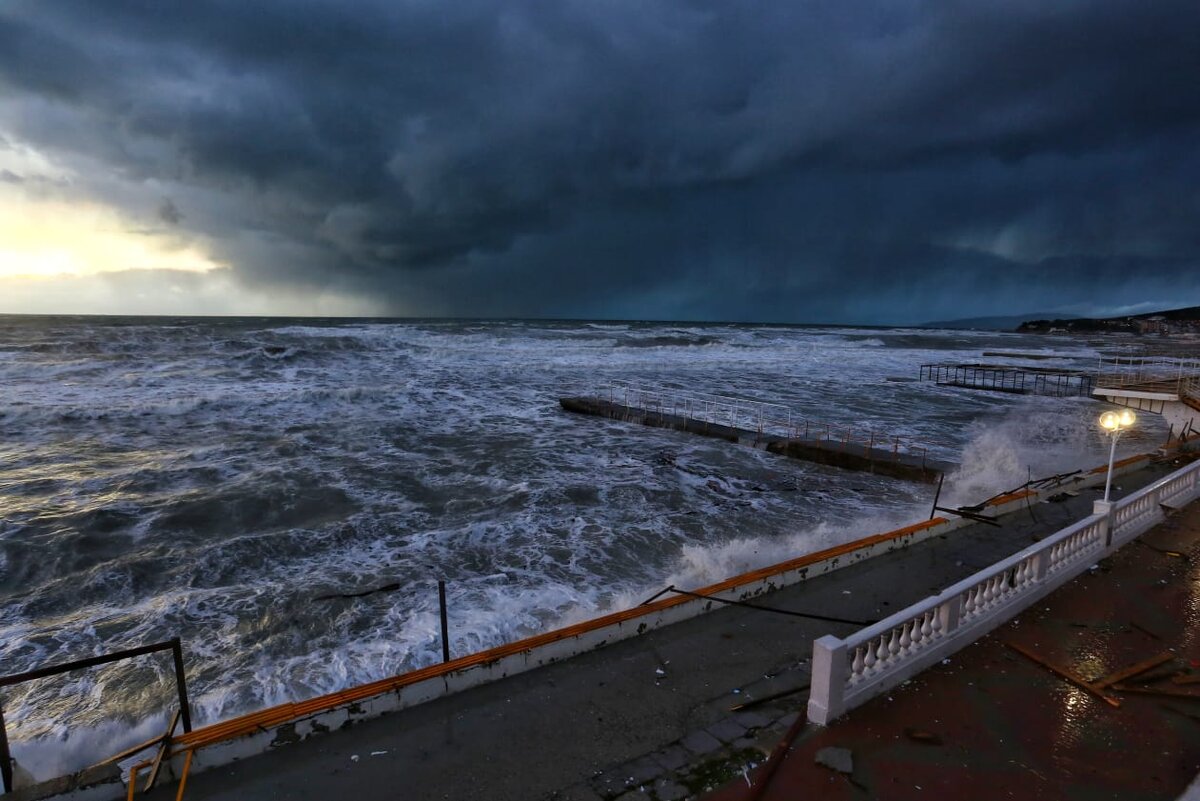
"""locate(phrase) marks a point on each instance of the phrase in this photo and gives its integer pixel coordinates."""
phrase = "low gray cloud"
(782, 161)
(169, 213)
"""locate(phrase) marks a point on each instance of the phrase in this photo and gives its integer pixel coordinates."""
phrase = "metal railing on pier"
(1151, 374)
(765, 419)
(1019, 380)
(172, 645)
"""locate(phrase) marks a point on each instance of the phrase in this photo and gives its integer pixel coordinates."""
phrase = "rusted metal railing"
(766, 419)
(1151, 373)
(173, 645)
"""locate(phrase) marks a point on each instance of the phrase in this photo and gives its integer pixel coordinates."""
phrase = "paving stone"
(700, 742)
(638, 771)
(668, 790)
(635, 795)
(576, 792)
(673, 757)
(726, 730)
(787, 720)
(838, 759)
(752, 720)
(607, 784)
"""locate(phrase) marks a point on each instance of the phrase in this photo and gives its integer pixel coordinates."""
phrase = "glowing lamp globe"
(1110, 421)
(1127, 418)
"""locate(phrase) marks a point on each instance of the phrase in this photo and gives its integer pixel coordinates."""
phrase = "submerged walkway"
(645, 718)
(992, 723)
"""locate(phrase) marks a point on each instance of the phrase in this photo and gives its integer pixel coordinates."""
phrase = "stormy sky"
(800, 161)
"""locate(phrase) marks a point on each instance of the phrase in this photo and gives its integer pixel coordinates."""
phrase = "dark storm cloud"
(169, 213)
(821, 160)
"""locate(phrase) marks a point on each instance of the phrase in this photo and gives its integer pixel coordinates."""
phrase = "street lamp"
(1114, 423)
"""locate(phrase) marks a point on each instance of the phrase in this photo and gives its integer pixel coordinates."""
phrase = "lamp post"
(1114, 423)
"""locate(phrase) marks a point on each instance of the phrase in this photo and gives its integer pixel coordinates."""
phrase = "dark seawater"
(211, 478)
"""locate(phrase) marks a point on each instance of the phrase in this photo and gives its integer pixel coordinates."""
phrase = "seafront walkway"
(1001, 719)
(674, 713)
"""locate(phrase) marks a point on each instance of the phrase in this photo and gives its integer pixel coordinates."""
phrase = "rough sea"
(212, 478)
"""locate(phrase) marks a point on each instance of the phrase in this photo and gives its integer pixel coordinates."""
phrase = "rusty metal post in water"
(181, 683)
(445, 626)
(6, 768)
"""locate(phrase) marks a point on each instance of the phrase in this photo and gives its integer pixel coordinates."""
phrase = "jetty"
(771, 427)
(1016, 380)
(1163, 386)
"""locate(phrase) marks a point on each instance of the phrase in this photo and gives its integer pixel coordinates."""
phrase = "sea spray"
(210, 479)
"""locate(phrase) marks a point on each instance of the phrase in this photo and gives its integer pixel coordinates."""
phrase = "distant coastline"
(1171, 321)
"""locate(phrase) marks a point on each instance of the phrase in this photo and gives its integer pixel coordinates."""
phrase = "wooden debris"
(1195, 679)
(1069, 675)
(1180, 712)
(384, 588)
(1145, 631)
(1167, 691)
(1133, 670)
(772, 697)
(919, 736)
(163, 751)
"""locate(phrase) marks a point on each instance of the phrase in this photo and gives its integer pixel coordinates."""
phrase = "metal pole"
(1111, 455)
(445, 627)
(181, 684)
(6, 769)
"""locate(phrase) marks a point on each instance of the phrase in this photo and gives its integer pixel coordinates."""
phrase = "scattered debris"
(1145, 631)
(839, 759)
(384, 588)
(1133, 670)
(920, 736)
(1125, 688)
(1069, 675)
(772, 697)
(354, 757)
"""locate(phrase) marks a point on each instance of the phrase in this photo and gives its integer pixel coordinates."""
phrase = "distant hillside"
(1169, 321)
(1006, 323)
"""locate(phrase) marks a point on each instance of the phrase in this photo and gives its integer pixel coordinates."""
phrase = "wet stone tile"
(700, 742)
(673, 757)
(668, 790)
(726, 730)
(638, 771)
(752, 720)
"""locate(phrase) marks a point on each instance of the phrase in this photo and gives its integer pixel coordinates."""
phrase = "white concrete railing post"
(1105, 508)
(949, 613)
(826, 698)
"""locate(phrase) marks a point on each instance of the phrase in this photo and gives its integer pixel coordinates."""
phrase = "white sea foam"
(211, 480)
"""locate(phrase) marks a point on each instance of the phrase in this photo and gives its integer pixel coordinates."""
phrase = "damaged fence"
(767, 420)
(848, 672)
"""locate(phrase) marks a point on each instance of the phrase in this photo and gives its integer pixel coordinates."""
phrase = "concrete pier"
(845, 452)
(1015, 380)
(1170, 388)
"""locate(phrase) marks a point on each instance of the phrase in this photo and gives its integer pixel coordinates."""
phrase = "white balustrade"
(847, 672)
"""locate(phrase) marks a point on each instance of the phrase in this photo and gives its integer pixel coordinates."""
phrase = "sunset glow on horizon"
(47, 239)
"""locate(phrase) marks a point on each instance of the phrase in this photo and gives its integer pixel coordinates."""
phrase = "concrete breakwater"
(812, 446)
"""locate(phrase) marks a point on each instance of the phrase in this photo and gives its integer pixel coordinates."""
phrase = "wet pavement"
(993, 723)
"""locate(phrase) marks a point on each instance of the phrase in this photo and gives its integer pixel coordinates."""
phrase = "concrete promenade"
(644, 718)
(992, 723)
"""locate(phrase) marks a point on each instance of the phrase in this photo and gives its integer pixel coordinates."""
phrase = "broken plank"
(1167, 691)
(1069, 675)
(1133, 670)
